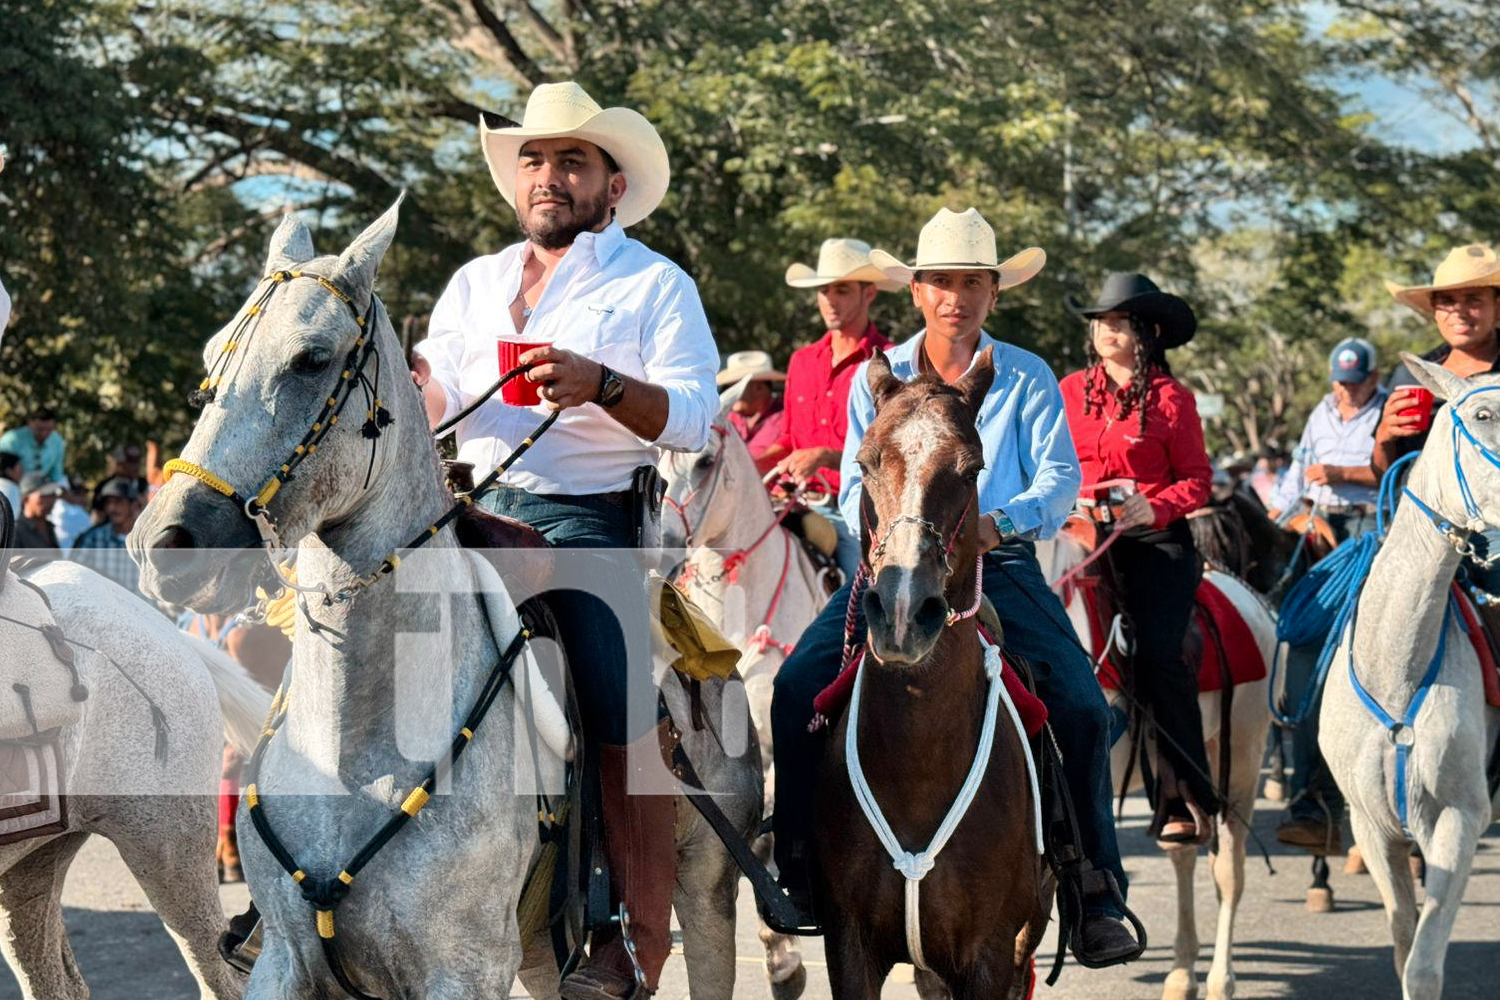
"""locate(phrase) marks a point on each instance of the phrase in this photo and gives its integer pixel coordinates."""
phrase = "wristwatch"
(611, 388)
(1003, 524)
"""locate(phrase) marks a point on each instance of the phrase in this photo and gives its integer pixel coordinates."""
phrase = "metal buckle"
(1401, 735)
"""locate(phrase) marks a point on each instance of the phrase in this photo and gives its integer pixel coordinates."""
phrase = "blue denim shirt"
(1030, 467)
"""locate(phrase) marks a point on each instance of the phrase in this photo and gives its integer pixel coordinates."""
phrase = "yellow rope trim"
(325, 924)
(299, 875)
(415, 801)
(268, 491)
(466, 733)
(252, 797)
(199, 473)
(346, 878)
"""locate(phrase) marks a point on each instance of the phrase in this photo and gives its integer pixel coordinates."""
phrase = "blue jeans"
(1311, 779)
(599, 601)
(1036, 628)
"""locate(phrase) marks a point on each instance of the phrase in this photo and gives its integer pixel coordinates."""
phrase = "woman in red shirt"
(1130, 419)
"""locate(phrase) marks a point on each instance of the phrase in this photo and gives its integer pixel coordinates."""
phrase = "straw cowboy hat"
(840, 260)
(962, 241)
(754, 366)
(1138, 295)
(555, 110)
(1472, 266)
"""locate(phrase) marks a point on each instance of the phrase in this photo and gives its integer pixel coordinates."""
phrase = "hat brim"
(1419, 297)
(1015, 270)
(732, 375)
(802, 276)
(1169, 312)
(624, 134)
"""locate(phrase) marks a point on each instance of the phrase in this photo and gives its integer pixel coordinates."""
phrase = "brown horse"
(922, 698)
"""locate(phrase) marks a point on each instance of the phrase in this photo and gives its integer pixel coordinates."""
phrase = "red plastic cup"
(519, 391)
(1419, 404)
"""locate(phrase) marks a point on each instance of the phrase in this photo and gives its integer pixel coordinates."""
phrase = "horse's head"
(1458, 475)
(700, 485)
(920, 459)
(299, 387)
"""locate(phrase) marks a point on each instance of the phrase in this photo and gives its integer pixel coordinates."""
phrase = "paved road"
(1283, 951)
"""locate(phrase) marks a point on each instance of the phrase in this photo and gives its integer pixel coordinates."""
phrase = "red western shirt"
(1168, 461)
(765, 433)
(817, 395)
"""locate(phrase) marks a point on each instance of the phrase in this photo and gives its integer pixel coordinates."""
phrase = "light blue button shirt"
(1329, 439)
(1030, 468)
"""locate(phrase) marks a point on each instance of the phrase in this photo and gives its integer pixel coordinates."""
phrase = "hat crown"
(1476, 260)
(553, 105)
(758, 360)
(1121, 286)
(957, 238)
(842, 256)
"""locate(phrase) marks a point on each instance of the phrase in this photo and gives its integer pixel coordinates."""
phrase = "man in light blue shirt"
(38, 444)
(1029, 484)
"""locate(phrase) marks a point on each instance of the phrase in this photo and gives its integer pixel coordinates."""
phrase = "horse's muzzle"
(904, 619)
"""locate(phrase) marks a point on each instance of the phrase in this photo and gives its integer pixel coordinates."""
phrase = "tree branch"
(550, 36)
(515, 58)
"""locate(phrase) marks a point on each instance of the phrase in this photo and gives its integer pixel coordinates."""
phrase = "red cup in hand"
(519, 391)
(1419, 404)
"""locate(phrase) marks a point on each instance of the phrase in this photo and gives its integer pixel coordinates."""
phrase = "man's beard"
(552, 233)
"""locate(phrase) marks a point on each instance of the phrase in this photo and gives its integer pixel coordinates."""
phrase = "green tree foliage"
(1211, 146)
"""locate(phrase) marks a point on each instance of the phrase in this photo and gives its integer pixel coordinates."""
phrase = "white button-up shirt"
(610, 299)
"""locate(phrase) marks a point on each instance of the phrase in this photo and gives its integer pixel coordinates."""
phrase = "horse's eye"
(1483, 415)
(704, 464)
(311, 361)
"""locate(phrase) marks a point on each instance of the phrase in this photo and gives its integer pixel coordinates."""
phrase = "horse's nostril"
(874, 609)
(932, 613)
(174, 537)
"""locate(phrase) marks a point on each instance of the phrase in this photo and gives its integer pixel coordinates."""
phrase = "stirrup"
(240, 945)
(1096, 883)
(805, 923)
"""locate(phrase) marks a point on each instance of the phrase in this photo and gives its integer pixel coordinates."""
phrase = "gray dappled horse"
(434, 914)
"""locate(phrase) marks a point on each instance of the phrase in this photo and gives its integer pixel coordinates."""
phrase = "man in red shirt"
(816, 400)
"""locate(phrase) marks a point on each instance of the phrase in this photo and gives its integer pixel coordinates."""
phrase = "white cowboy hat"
(555, 110)
(753, 366)
(962, 241)
(1471, 266)
(840, 260)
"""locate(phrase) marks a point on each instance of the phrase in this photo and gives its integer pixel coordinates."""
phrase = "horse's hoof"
(1180, 985)
(1320, 901)
(1275, 790)
(1354, 863)
(792, 983)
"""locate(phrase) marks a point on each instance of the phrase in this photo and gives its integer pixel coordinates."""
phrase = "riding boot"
(228, 850)
(640, 844)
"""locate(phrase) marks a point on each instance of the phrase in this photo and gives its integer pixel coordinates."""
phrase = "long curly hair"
(1135, 397)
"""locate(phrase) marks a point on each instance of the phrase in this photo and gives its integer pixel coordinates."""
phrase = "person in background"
(10, 479)
(39, 445)
(1332, 472)
(124, 465)
(72, 515)
(1267, 473)
(4, 295)
(1130, 419)
(102, 547)
(34, 531)
(819, 374)
(757, 414)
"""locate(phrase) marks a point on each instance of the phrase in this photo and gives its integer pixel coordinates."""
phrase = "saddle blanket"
(832, 700)
(1469, 616)
(1214, 612)
(31, 800)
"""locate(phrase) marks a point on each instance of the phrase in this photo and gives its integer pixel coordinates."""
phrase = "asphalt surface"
(1281, 949)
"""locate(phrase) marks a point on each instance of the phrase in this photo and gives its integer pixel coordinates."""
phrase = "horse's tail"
(243, 702)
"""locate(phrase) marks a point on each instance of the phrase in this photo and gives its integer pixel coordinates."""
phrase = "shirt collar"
(602, 246)
(1376, 400)
(903, 357)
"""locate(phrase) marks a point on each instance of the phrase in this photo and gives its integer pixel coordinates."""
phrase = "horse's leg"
(173, 862)
(853, 973)
(930, 985)
(1449, 853)
(990, 976)
(1182, 981)
(1320, 893)
(32, 934)
(784, 968)
(1228, 867)
(1386, 861)
(705, 905)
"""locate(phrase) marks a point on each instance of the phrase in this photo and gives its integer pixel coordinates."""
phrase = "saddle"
(819, 539)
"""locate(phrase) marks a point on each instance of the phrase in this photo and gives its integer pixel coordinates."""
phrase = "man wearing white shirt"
(630, 363)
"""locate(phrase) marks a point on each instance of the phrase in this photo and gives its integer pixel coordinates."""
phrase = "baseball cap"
(1352, 360)
(39, 482)
(118, 486)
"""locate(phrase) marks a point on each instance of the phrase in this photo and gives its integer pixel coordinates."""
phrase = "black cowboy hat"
(1138, 295)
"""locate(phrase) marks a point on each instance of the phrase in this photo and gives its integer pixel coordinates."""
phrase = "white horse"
(1250, 718)
(159, 812)
(1405, 643)
(385, 678)
(718, 511)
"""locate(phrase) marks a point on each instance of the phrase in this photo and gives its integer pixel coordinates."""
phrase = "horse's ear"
(291, 245)
(732, 395)
(359, 264)
(1443, 383)
(976, 382)
(882, 383)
